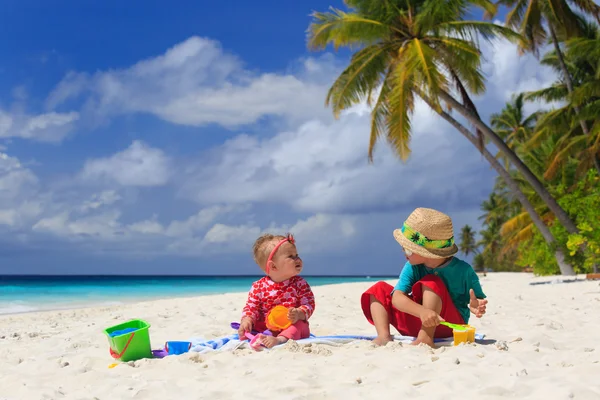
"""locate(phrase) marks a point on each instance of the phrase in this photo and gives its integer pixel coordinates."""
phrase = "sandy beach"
(541, 343)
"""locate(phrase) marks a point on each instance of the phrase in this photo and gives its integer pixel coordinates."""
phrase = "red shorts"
(407, 324)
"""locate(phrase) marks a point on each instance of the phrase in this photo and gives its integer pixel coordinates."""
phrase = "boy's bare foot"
(425, 339)
(272, 341)
(382, 341)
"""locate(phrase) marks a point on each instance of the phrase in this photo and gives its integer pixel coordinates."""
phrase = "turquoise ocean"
(20, 294)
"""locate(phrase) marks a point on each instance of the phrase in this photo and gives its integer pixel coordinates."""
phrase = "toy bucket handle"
(116, 355)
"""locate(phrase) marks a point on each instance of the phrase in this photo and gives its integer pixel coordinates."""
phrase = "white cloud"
(311, 177)
(510, 73)
(323, 232)
(6, 122)
(317, 233)
(194, 83)
(19, 186)
(102, 226)
(21, 213)
(149, 226)
(322, 167)
(199, 221)
(98, 200)
(48, 127)
(138, 165)
(15, 178)
(221, 233)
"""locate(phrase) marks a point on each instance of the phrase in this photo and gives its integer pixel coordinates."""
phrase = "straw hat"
(428, 233)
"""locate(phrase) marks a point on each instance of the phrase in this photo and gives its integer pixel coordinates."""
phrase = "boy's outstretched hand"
(476, 305)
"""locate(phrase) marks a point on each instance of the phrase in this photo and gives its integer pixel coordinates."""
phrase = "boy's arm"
(400, 299)
(405, 304)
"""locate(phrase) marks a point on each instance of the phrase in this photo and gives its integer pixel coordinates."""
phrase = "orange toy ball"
(277, 319)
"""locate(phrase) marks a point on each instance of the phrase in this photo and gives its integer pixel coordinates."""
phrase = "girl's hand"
(245, 326)
(295, 315)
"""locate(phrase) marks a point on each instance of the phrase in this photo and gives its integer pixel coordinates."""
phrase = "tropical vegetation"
(544, 210)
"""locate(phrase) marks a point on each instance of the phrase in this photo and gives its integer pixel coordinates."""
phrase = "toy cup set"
(461, 333)
(277, 320)
(130, 341)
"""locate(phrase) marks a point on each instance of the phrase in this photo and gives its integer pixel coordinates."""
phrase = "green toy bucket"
(134, 344)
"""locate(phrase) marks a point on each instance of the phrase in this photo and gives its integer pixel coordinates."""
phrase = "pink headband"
(289, 238)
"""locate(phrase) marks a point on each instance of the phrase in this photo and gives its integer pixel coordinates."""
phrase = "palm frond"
(585, 92)
(486, 30)
(344, 29)
(516, 12)
(512, 225)
(380, 114)
(465, 59)
(589, 7)
(401, 107)
(359, 79)
(590, 48)
(532, 27)
(550, 94)
(561, 155)
(590, 111)
(523, 235)
(420, 61)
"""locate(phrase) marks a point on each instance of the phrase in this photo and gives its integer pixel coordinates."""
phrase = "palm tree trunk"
(539, 188)
(569, 82)
(564, 266)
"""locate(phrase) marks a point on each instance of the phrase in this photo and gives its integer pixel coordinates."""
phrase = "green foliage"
(555, 147)
(583, 203)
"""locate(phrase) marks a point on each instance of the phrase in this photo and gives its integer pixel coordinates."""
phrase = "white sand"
(551, 332)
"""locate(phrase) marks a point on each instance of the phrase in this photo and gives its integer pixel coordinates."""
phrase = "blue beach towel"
(232, 342)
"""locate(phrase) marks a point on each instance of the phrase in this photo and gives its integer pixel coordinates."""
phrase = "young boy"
(434, 285)
(278, 258)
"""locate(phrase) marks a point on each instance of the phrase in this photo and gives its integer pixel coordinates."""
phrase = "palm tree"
(479, 263)
(581, 58)
(587, 94)
(564, 266)
(467, 241)
(529, 17)
(407, 49)
(513, 126)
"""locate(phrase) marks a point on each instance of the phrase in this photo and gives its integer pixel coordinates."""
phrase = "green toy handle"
(454, 326)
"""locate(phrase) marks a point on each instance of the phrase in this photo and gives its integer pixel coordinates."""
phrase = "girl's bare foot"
(272, 341)
(382, 341)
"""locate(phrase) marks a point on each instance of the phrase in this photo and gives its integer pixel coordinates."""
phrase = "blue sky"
(149, 137)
